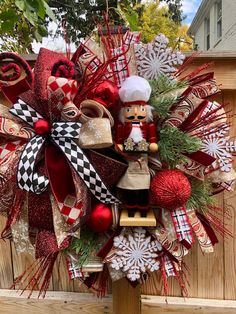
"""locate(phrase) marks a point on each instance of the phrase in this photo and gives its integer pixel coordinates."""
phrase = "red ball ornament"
(170, 189)
(101, 218)
(41, 127)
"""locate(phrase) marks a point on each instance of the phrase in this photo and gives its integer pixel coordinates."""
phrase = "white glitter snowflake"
(93, 127)
(218, 145)
(135, 253)
(156, 58)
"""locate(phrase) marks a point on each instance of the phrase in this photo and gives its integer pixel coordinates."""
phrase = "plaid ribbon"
(62, 134)
(120, 66)
(74, 270)
(169, 268)
(93, 265)
(131, 38)
(229, 185)
(182, 226)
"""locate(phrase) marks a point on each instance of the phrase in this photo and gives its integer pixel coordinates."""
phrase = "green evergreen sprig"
(86, 246)
(200, 195)
(165, 94)
(173, 143)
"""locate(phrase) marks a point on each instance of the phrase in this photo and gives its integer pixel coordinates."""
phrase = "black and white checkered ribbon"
(62, 134)
(27, 178)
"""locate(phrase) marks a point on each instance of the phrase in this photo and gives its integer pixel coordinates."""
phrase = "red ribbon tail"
(209, 230)
(62, 183)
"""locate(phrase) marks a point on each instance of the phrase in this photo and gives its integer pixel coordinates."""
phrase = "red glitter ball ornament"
(170, 189)
(100, 219)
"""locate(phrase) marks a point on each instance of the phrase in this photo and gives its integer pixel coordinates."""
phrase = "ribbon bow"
(62, 135)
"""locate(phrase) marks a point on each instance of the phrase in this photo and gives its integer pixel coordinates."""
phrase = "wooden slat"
(126, 299)
(211, 269)
(60, 278)
(55, 302)
(22, 262)
(154, 285)
(230, 208)
(224, 71)
(80, 287)
(230, 248)
(154, 305)
(213, 55)
(6, 268)
(191, 261)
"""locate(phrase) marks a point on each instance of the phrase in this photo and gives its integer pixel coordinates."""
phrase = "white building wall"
(200, 37)
(213, 30)
(228, 39)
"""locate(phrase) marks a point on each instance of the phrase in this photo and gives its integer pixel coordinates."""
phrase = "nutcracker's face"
(135, 113)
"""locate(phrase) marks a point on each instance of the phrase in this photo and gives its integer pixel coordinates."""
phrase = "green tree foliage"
(81, 16)
(154, 20)
(185, 42)
(22, 21)
(175, 10)
(153, 17)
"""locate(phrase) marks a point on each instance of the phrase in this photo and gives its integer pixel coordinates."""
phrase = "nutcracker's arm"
(119, 135)
(152, 137)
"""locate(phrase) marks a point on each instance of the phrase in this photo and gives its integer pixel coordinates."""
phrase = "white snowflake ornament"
(156, 58)
(135, 254)
(218, 145)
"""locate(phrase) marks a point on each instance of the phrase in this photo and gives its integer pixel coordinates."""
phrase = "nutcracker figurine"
(136, 136)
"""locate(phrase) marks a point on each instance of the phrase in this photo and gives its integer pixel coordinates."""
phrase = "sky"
(189, 9)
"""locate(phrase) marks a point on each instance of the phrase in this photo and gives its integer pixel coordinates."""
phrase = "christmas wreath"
(111, 159)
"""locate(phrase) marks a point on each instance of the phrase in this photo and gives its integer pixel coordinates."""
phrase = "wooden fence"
(210, 277)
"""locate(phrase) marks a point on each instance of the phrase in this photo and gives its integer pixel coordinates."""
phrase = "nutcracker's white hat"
(135, 90)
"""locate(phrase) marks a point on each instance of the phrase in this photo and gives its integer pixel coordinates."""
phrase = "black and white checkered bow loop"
(62, 134)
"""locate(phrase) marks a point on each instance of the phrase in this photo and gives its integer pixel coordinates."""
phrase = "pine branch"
(165, 93)
(162, 104)
(200, 196)
(165, 84)
(84, 247)
(174, 143)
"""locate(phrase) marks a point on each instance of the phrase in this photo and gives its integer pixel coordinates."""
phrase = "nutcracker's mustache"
(133, 117)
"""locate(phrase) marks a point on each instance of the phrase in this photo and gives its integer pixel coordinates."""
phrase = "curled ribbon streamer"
(61, 134)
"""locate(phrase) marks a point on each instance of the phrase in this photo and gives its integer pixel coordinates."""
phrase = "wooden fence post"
(126, 299)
